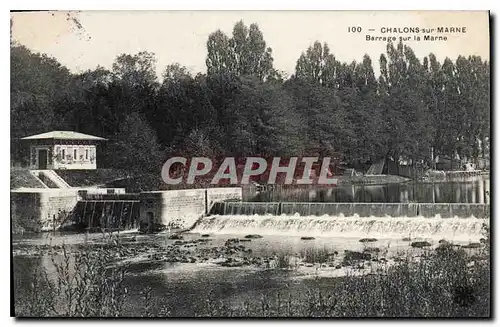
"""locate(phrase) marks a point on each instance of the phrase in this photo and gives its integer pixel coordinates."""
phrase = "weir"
(110, 214)
(451, 229)
(429, 210)
(453, 222)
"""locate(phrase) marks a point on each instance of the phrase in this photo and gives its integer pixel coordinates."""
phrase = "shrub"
(283, 261)
(316, 255)
(83, 286)
(443, 283)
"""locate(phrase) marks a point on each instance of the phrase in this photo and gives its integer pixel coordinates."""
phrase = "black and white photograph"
(250, 164)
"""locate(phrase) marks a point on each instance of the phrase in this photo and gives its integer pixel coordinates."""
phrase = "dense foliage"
(243, 106)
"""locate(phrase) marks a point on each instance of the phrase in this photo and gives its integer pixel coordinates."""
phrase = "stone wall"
(56, 207)
(42, 210)
(182, 208)
(220, 194)
(37, 210)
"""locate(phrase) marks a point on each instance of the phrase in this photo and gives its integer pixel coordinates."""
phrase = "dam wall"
(43, 209)
(182, 208)
(37, 209)
(444, 210)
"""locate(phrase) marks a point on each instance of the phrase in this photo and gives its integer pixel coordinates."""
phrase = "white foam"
(457, 229)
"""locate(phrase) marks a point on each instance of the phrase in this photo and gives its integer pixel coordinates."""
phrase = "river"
(464, 190)
(184, 288)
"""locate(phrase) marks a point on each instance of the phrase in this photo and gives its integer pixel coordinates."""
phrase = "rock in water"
(420, 244)
(471, 246)
(366, 240)
(253, 236)
(175, 237)
(307, 238)
(205, 235)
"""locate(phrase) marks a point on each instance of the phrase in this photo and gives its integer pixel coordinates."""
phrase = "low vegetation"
(446, 283)
(317, 255)
(20, 177)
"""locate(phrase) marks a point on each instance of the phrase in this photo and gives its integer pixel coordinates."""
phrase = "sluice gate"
(107, 213)
(430, 210)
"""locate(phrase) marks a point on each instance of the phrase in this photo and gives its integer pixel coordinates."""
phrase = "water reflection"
(471, 190)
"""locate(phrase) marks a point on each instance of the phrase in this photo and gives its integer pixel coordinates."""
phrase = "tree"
(243, 54)
(402, 87)
(317, 65)
(183, 104)
(135, 70)
(37, 82)
(220, 58)
(135, 147)
(326, 126)
(242, 106)
(362, 103)
(266, 120)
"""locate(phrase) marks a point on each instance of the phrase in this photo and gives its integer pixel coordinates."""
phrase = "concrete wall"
(181, 208)
(220, 194)
(38, 210)
(108, 190)
(463, 210)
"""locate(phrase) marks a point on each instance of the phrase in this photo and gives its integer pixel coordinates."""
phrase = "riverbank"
(442, 175)
(371, 180)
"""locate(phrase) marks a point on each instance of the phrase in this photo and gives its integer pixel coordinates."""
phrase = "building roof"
(64, 135)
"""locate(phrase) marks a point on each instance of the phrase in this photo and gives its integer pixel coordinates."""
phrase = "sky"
(96, 37)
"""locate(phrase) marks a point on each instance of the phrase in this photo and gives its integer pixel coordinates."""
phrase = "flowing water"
(453, 229)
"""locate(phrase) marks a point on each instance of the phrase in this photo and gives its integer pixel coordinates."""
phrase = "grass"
(317, 255)
(21, 177)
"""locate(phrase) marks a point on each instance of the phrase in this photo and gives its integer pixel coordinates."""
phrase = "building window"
(63, 152)
(75, 155)
(33, 156)
(86, 154)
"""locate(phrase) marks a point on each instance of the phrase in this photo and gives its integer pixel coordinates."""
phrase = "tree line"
(416, 107)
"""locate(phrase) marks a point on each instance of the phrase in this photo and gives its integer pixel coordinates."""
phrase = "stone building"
(62, 150)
